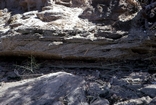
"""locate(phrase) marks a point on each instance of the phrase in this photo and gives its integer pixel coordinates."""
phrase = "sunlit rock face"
(72, 29)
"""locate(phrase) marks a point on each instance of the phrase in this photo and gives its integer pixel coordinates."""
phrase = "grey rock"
(79, 35)
(48, 89)
(138, 101)
(29, 14)
(101, 102)
(48, 16)
(150, 90)
(47, 8)
(122, 92)
(97, 90)
(153, 102)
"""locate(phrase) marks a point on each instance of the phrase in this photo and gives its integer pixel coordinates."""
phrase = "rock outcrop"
(52, 89)
(74, 29)
(63, 88)
(112, 30)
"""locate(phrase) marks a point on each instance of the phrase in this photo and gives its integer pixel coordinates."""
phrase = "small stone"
(95, 90)
(153, 102)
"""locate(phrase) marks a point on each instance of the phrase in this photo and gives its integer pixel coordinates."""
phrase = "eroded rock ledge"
(62, 29)
(63, 88)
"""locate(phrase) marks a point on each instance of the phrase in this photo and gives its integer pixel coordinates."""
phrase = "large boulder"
(52, 89)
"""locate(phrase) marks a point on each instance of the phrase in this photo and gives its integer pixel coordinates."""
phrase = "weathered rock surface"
(90, 30)
(52, 89)
(143, 100)
(100, 102)
(76, 29)
(153, 102)
(63, 88)
(150, 90)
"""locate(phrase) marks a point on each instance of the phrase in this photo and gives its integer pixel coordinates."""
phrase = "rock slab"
(88, 30)
(52, 89)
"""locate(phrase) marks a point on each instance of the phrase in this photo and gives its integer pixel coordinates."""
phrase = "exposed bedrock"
(82, 30)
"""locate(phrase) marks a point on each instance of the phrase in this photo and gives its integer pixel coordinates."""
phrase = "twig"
(111, 71)
(86, 51)
(30, 75)
(154, 25)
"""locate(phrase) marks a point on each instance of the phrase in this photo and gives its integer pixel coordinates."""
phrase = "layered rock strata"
(88, 30)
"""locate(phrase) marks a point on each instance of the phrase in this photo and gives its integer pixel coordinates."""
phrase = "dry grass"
(30, 65)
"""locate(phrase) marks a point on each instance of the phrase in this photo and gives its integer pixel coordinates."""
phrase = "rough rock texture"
(61, 88)
(150, 90)
(77, 29)
(153, 102)
(93, 29)
(140, 101)
(52, 89)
